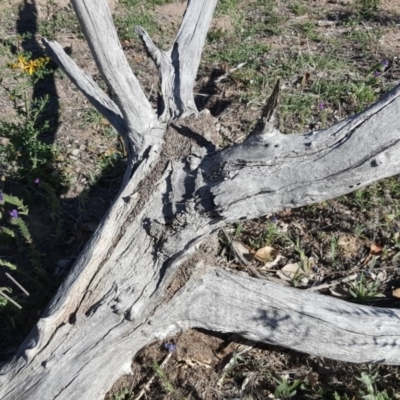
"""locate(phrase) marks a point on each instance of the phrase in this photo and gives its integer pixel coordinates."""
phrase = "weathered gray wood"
(97, 25)
(178, 66)
(128, 286)
(276, 171)
(87, 86)
(263, 311)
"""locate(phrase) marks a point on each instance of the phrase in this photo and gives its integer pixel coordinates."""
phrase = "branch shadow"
(378, 17)
(210, 96)
(60, 223)
(27, 29)
(277, 320)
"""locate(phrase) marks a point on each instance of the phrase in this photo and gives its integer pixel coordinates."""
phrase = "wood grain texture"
(276, 171)
(178, 66)
(98, 27)
(263, 311)
(147, 271)
(87, 86)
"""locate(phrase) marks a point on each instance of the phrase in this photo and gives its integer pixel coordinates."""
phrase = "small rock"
(75, 152)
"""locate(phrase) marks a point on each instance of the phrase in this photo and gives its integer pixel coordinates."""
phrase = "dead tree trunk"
(148, 271)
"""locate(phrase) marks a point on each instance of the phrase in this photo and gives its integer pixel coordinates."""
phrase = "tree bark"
(149, 272)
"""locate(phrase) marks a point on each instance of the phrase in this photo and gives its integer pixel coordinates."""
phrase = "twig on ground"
(229, 72)
(241, 349)
(17, 283)
(10, 299)
(333, 283)
(150, 381)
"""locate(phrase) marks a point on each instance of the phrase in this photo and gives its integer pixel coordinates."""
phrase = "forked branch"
(122, 293)
(98, 27)
(178, 66)
(87, 86)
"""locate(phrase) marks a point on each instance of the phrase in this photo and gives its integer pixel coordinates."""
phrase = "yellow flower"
(20, 64)
(30, 66)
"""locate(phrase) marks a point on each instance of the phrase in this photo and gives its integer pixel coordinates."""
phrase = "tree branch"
(97, 24)
(178, 66)
(263, 311)
(274, 171)
(87, 86)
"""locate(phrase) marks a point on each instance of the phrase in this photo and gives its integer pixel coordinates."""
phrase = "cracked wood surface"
(146, 274)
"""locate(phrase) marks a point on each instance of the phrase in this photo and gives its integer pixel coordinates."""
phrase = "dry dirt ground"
(329, 241)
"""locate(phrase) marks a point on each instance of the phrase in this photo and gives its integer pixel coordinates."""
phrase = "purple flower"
(1, 197)
(321, 106)
(385, 63)
(14, 213)
(37, 181)
(377, 74)
(170, 347)
(274, 219)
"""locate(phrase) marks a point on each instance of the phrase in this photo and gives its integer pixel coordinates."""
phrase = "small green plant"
(167, 385)
(359, 231)
(363, 94)
(334, 246)
(3, 300)
(303, 258)
(361, 197)
(309, 29)
(285, 390)
(14, 229)
(137, 16)
(323, 113)
(337, 396)
(271, 233)
(93, 118)
(268, 237)
(298, 8)
(239, 230)
(367, 7)
(366, 38)
(369, 379)
(229, 368)
(227, 7)
(363, 290)
(122, 394)
(22, 151)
